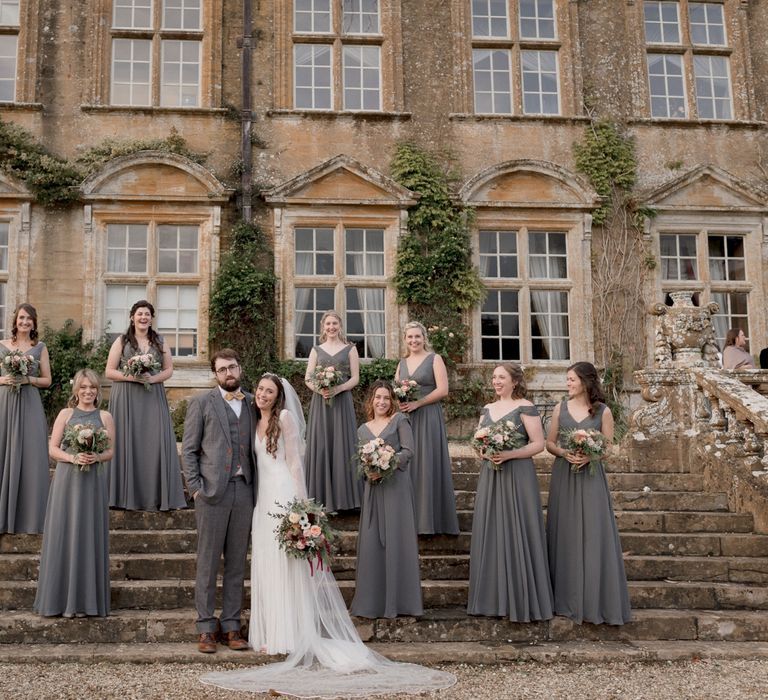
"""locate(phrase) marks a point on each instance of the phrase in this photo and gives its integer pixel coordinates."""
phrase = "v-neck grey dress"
(431, 473)
(24, 467)
(388, 581)
(74, 564)
(585, 558)
(331, 440)
(508, 569)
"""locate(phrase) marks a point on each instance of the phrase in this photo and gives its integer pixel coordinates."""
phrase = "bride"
(295, 610)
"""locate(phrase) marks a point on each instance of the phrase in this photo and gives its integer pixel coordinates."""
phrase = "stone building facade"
(506, 86)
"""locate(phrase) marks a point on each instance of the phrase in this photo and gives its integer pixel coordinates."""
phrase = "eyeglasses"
(229, 369)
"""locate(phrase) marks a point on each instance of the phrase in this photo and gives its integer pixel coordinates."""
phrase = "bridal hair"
(336, 315)
(273, 427)
(380, 384)
(82, 375)
(129, 337)
(420, 326)
(515, 371)
(588, 374)
(32, 313)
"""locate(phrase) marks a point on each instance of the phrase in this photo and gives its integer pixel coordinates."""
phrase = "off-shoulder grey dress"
(331, 438)
(431, 464)
(74, 564)
(145, 473)
(24, 468)
(388, 582)
(585, 559)
(508, 569)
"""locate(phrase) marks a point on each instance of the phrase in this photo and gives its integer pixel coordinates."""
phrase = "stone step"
(749, 570)
(687, 522)
(436, 625)
(695, 544)
(697, 595)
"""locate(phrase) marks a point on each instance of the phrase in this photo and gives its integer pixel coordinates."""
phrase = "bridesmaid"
(508, 571)
(388, 581)
(145, 474)
(331, 477)
(585, 557)
(24, 468)
(431, 464)
(74, 564)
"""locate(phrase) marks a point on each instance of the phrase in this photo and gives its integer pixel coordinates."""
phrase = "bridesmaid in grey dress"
(24, 469)
(331, 428)
(585, 557)
(388, 580)
(431, 464)
(74, 564)
(508, 569)
(145, 474)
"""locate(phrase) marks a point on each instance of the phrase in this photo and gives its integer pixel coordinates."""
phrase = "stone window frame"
(565, 44)
(99, 56)
(27, 54)
(735, 51)
(15, 211)
(388, 39)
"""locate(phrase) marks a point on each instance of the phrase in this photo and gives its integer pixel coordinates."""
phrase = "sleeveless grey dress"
(145, 472)
(331, 432)
(585, 559)
(388, 580)
(508, 569)
(431, 464)
(74, 564)
(24, 468)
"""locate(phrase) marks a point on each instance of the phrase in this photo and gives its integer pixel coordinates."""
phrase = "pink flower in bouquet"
(315, 530)
(301, 544)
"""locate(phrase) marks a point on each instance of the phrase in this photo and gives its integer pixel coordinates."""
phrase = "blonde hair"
(93, 378)
(420, 326)
(323, 337)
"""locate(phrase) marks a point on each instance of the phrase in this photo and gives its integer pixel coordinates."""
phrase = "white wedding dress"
(303, 614)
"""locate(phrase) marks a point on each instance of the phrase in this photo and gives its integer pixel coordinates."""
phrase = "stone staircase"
(696, 570)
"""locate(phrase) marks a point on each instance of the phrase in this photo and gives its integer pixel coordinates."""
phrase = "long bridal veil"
(329, 659)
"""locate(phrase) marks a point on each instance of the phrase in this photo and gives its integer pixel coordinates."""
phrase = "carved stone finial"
(685, 336)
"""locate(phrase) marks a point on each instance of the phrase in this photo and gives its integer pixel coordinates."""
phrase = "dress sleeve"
(529, 411)
(294, 452)
(405, 436)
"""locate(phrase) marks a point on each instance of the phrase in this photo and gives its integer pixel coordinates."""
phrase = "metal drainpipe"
(246, 179)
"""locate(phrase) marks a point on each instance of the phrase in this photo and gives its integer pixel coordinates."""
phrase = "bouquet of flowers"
(140, 365)
(326, 378)
(18, 365)
(499, 437)
(85, 437)
(376, 460)
(406, 390)
(590, 443)
(304, 532)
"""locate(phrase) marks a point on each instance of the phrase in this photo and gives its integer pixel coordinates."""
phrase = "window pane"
(540, 84)
(707, 24)
(500, 325)
(4, 231)
(310, 303)
(665, 73)
(498, 254)
(360, 17)
(312, 16)
(117, 304)
(131, 14)
(678, 256)
(317, 256)
(127, 248)
(131, 70)
(489, 18)
(181, 14)
(180, 80)
(366, 305)
(492, 81)
(662, 24)
(362, 75)
(8, 44)
(733, 313)
(177, 249)
(537, 19)
(177, 314)
(549, 325)
(364, 251)
(713, 89)
(547, 257)
(312, 76)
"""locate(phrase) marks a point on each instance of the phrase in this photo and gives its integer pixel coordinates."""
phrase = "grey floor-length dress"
(145, 473)
(388, 580)
(331, 438)
(24, 468)
(431, 464)
(508, 568)
(74, 564)
(585, 559)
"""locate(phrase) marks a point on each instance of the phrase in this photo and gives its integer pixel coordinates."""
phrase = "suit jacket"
(206, 450)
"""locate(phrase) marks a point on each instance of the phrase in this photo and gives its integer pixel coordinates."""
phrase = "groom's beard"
(229, 383)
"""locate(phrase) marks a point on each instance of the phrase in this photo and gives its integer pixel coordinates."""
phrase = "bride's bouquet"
(85, 437)
(18, 365)
(498, 437)
(304, 532)
(139, 366)
(326, 377)
(405, 390)
(588, 442)
(376, 460)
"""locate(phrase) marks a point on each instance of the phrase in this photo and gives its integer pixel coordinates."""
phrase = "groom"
(220, 471)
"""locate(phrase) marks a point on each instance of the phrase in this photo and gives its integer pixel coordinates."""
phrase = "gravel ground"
(702, 680)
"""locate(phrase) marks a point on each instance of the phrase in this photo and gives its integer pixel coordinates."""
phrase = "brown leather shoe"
(234, 640)
(206, 643)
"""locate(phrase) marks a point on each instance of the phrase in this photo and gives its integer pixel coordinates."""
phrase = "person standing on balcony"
(735, 355)
(24, 477)
(145, 472)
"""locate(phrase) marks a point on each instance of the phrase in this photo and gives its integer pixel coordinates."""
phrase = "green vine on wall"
(434, 273)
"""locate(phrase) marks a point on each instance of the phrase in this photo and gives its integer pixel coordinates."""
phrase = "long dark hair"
(588, 374)
(380, 384)
(273, 427)
(32, 312)
(129, 337)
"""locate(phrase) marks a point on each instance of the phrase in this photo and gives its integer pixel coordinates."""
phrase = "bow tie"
(239, 395)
